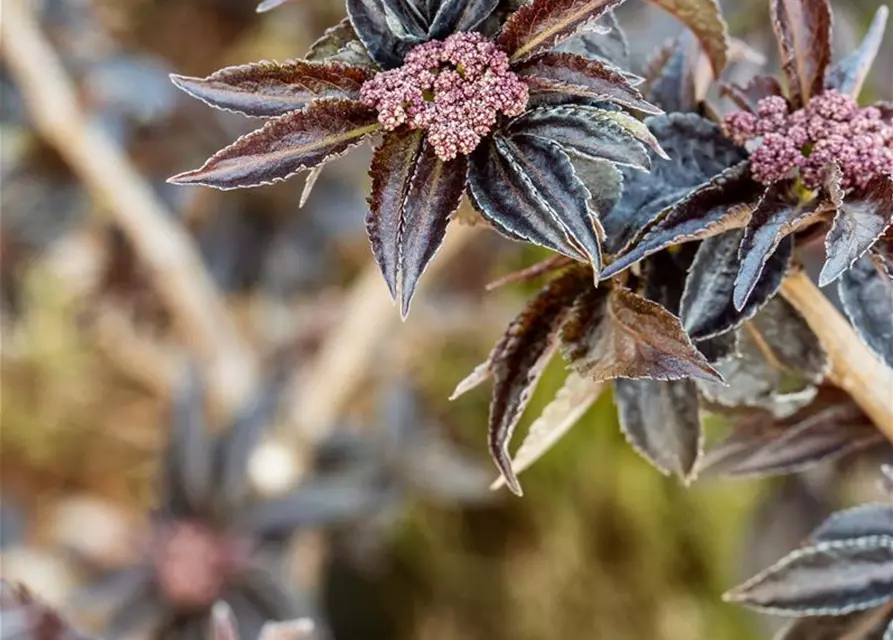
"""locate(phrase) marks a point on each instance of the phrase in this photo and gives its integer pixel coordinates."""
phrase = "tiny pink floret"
(830, 129)
(452, 89)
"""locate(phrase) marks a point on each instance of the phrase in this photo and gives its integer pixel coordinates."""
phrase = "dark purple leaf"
(393, 166)
(777, 215)
(867, 296)
(865, 520)
(661, 422)
(719, 348)
(707, 307)
(758, 445)
(528, 190)
(266, 89)
(187, 475)
(749, 95)
(603, 180)
(340, 44)
(235, 447)
(435, 192)
(861, 219)
(714, 208)
(286, 146)
(518, 359)
(698, 151)
(544, 24)
(611, 47)
(319, 503)
(370, 22)
(460, 15)
(793, 345)
(849, 73)
(572, 75)
(803, 31)
(585, 131)
(704, 19)
(861, 625)
(827, 578)
(614, 333)
(409, 19)
(765, 375)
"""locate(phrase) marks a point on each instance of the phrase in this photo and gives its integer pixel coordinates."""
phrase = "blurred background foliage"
(601, 546)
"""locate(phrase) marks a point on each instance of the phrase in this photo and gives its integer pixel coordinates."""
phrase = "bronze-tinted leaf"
(511, 200)
(393, 166)
(714, 208)
(518, 359)
(340, 44)
(370, 21)
(707, 307)
(434, 195)
(867, 295)
(861, 219)
(661, 422)
(618, 334)
(704, 19)
(543, 24)
(760, 445)
(573, 400)
(803, 31)
(587, 132)
(827, 578)
(267, 89)
(287, 145)
(573, 75)
(460, 15)
(777, 215)
(698, 151)
(849, 73)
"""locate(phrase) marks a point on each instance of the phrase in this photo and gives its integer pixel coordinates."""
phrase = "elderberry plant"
(212, 539)
(501, 101)
(838, 583)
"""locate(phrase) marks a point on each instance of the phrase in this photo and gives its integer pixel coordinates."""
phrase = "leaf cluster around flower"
(447, 83)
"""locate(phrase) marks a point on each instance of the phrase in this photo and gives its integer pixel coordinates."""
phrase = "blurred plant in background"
(93, 346)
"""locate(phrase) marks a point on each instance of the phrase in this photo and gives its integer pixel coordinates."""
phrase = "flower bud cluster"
(453, 89)
(830, 129)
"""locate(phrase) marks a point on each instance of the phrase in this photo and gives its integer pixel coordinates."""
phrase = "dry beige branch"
(854, 368)
(177, 273)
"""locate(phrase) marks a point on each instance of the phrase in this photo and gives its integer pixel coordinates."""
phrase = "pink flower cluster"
(830, 129)
(453, 89)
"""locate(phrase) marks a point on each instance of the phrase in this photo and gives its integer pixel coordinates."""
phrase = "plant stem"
(178, 274)
(854, 368)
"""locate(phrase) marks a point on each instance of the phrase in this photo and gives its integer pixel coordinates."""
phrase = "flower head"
(830, 129)
(454, 89)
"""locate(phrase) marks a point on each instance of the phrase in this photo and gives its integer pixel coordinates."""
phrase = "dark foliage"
(523, 177)
(211, 538)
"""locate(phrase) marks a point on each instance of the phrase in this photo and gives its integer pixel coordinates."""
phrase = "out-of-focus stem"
(176, 270)
(854, 368)
(348, 352)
